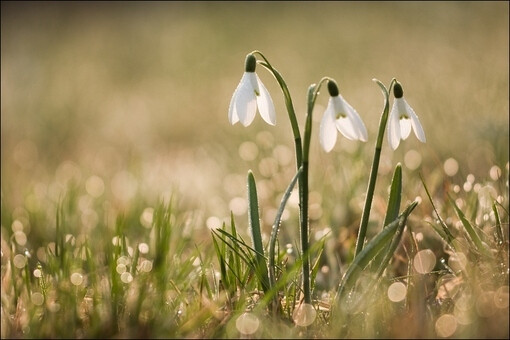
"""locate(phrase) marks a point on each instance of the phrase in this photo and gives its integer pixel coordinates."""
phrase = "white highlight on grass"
(247, 323)
(451, 167)
(446, 325)
(19, 261)
(397, 292)
(76, 279)
(424, 261)
(94, 186)
(412, 159)
(304, 315)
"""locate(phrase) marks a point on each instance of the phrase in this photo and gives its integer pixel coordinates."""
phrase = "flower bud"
(332, 88)
(397, 90)
(250, 63)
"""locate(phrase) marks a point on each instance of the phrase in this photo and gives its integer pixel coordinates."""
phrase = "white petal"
(344, 122)
(327, 133)
(405, 127)
(418, 129)
(245, 101)
(393, 128)
(265, 104)
(232, 113)
(345, 126)
(361, 130)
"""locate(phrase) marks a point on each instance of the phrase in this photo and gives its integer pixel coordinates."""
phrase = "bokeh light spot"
(446, 325)
(397, 292)
(495, 172)
(146, 217)
(126, 277)
(143, 248)
(37, 298)
(451, 167)
(76, 279)
(501, 297)
(304, 315)
(412, 159)
(424, 261)
(486, 195)
(94, 186)
(19, 261)
(238, 205)
(248, 151)
(247, 323)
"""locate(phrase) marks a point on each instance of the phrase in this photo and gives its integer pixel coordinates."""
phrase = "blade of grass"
(470, 229)
(383, 258)
(449, 237)
(276, 226)
(499, 231)
(371, 250)
(254, 220)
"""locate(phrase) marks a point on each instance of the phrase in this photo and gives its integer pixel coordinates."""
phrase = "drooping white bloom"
(249, 95)
(402, 118)
(340, 116)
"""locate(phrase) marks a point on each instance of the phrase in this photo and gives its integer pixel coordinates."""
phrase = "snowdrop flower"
(341, 116)
(402, 118)
(250, 94)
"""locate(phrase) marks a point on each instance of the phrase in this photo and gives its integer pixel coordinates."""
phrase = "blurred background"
(127, 102)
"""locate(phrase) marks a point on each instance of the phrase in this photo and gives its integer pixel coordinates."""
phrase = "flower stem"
(313, 91)
(290, 108)
(375, 167)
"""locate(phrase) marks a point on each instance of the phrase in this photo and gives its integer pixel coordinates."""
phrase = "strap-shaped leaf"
(256, 236)
(276, 226)
(371, 250)
(477, 241)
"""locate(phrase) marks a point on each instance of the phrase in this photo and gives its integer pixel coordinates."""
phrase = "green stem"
(375, 167)
(313, 91)
(289, 105)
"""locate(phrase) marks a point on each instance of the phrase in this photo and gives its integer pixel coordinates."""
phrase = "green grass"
(124, 201)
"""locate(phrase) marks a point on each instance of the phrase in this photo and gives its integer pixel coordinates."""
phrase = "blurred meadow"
(113, 107)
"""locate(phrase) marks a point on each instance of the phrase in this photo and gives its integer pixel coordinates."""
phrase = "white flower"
(402, 118)
(250, 94)
(341, 116)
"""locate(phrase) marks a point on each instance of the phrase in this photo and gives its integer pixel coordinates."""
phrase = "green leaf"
(277, 223)
(477, 241)
(447, 235)
(371, 250)
(254, 220)
(499, 230)
(395, 196)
